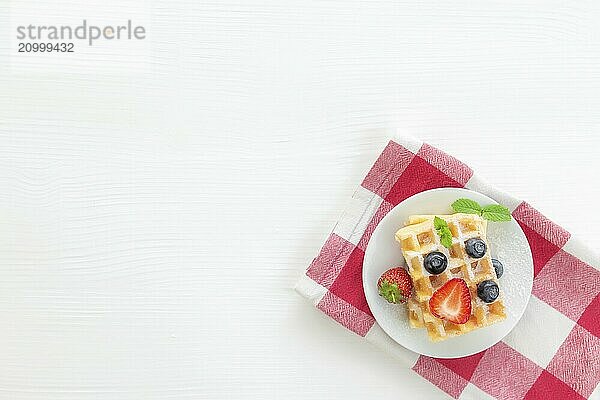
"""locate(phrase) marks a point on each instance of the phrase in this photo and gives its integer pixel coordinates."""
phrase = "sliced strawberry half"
(452, 302)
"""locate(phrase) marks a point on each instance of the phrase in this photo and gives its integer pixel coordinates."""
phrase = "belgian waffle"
(417, 239)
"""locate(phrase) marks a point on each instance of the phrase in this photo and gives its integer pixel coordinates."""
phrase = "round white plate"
(507, 243)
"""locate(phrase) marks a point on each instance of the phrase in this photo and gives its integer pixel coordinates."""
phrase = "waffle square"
(417, 239)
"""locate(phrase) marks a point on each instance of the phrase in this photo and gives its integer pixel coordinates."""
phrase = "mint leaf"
(496, 213)
(466, 206)
(493, 212)
(446, 240)
(443, 232)
(439, 223)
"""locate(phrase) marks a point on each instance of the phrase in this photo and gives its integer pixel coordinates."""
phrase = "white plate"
(507, 243)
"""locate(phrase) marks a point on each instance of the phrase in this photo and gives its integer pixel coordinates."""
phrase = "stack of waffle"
(419, 238)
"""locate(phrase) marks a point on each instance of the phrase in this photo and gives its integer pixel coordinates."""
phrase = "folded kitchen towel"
(560, 362)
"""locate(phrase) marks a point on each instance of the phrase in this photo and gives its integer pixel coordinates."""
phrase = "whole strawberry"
(395, 285)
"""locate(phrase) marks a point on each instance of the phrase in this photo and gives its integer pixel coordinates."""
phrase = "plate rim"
(369, 249)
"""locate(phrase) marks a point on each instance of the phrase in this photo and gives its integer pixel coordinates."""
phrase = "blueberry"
(435, 262)
(475, 247)
(498, 267)
(488, 291)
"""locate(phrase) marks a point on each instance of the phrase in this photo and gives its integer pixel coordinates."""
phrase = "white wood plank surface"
(158, 200)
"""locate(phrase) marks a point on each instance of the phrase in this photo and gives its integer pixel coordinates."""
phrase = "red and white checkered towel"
(552, 353)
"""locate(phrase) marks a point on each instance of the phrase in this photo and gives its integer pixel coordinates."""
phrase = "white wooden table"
(158, 200)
